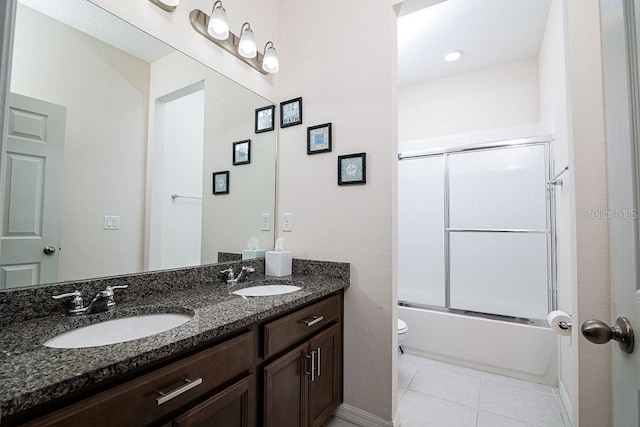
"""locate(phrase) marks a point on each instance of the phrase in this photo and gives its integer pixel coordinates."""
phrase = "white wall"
(94, 147)
(346, 77)
(497, 97)
(554, 119)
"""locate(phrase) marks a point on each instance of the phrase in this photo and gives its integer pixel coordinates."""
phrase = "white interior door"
(33, 190)
(622, 96)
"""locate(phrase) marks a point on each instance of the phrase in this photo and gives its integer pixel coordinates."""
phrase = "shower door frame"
(552, 270)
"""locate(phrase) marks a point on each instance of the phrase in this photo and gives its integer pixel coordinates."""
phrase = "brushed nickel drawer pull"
(319, 359)
(313, 320)
(165, 397)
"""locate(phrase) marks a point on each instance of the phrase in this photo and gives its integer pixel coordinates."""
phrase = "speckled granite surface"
(31, 374)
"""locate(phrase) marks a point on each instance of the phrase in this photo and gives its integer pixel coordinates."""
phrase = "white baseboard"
(363, 418)
(566, 407)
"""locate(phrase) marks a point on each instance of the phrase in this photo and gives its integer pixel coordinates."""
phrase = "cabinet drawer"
(281, 333)
(138, 402)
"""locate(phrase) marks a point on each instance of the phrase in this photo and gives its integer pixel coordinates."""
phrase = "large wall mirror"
(112, 140)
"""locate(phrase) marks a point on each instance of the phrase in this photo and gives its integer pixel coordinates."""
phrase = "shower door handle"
(598, 332)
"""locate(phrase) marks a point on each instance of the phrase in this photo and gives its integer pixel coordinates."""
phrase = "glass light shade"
(170, 2)
(270, 61)
(247, 45)
(218, 25)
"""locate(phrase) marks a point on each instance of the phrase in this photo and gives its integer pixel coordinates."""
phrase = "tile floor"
(432, 393)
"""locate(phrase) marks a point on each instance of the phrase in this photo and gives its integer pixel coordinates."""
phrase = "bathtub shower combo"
(476, 256)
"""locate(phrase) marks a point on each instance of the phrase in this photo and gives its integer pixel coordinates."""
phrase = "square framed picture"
(319, 139)
(221, 182)
(352, 169)
(242, 152)
(291, 112)
(265, 118)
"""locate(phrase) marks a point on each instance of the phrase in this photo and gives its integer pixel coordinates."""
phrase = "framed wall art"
(291, 112)
(242, 152)
(319, 139)
(265, 117)
(221, 182)
(352, 169)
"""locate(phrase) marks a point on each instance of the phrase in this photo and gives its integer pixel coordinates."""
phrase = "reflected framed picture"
(352, 169)
(221, 182)
(242, 152)
(265, 118)
(291, 112)
(319, 139)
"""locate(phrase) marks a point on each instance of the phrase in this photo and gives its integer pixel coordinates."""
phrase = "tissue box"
(252, 253)
(278, 263)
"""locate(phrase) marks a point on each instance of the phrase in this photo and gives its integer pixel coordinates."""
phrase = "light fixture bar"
(200, 23)
(163, 6)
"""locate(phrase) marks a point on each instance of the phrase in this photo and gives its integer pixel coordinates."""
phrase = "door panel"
(325, 393)
(285, 385)
(620, 71)
(33, 192)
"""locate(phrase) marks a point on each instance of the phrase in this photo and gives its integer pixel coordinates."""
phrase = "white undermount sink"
(118, 330)
(266, 290)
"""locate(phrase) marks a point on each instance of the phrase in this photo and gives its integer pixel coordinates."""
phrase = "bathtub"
(517, 350)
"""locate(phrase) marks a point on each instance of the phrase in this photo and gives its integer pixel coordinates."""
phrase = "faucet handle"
(226, 274)
(77, 302)
(249, 269)
(108, 293)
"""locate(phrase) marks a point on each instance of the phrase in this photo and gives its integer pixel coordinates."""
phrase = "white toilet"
(403, 329)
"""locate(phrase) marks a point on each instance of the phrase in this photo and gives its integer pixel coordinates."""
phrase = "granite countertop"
(32, 374)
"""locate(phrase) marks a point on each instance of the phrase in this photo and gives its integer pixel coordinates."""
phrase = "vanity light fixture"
(452, 55)
(270, 62)
(167, 5)
(243, 47)
(218, 27)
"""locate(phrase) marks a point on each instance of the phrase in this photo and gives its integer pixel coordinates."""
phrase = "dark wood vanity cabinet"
(304, 387)
(285, 371)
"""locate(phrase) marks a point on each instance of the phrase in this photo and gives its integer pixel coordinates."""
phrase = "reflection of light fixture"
(270, 61)
(168, 5)
(452, 55)
(247, 45)
(218, 26)
(244, 47)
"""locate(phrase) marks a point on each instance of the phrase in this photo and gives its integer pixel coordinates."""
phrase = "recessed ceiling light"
(452, 55)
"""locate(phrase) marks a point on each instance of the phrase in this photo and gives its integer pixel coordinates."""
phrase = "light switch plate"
(266, 222)
(111, 222)
(287, 222)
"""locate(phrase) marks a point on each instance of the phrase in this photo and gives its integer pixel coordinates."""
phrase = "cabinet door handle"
(165, 397)
(312, 356)
(313, 320)
(319, 359)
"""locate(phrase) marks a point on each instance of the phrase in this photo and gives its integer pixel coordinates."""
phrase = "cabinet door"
(326, 387)
(285, 390)
(233, 407)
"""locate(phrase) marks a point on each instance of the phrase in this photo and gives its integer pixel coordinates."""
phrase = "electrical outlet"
(266, 222)
(287, 222)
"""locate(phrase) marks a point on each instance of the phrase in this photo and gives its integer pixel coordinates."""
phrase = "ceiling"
(489, 32)
(102, 25)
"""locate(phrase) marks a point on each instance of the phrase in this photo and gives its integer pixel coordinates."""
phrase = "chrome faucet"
(102, 301)
(228, 275)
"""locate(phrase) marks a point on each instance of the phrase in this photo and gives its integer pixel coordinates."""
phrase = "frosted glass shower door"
(421, 257)
(498, 231)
